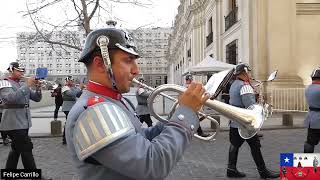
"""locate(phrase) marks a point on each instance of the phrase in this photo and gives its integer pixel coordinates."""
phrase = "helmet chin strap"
(102, 42)
(111, 77)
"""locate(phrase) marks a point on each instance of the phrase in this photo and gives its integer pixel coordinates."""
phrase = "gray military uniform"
(312, 94)
(142, 98)
(241, 95)
(69, 96)
(139, 153)
(13, 94)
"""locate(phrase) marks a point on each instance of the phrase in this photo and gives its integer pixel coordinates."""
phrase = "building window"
(209, 37)
(232, 17)
(232, 52)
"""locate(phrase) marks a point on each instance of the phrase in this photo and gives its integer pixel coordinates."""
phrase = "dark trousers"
(236, 141)
(64, 128)
(3, 133)
(21, 145)
(313, 139)
(146, 118)
(56, 110)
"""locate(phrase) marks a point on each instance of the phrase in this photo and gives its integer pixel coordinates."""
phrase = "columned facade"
(268, 35)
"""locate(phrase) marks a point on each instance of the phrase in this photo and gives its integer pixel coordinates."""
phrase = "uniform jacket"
(18, 94)
(241, 95)
(148, 154)
(312, 94)
(69, 96)
(142, 98)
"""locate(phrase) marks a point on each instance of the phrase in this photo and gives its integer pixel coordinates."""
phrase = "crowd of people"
(103, 130)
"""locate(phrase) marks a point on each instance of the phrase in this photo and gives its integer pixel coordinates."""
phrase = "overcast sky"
(161, 14)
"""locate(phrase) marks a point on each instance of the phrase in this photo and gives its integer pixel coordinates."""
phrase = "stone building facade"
(268, 35)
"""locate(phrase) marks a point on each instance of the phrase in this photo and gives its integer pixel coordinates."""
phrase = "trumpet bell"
(247, 132)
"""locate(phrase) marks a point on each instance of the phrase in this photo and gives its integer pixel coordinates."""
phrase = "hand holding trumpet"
(194, 97)
(32, 81)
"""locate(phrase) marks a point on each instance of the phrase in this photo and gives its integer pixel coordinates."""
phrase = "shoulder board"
(4, 84)
(95, 100)
(99, 126)
(246, 89)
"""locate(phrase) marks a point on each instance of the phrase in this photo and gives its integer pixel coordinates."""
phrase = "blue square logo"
(286, 159)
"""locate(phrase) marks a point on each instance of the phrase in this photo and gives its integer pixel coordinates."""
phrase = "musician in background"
(4, 136)
(142, 108)
(16, 117)
(69, 96)
(312, 120)
(242, 96)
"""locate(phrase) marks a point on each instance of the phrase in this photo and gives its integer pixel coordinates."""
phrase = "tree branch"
(94, 9)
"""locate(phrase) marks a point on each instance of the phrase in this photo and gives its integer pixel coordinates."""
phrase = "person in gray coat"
(242, 95)
(142, 108)
(70, 93)
(104, 136)
(16, 118)
(5, 139)
(312, 120)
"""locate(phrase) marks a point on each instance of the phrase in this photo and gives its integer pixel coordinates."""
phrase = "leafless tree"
(74, 15)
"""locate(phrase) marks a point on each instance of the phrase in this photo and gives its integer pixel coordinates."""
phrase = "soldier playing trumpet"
(16, 118)
(242, 95)
(103, 134)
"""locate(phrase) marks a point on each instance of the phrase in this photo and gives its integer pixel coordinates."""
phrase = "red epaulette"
(95, 100)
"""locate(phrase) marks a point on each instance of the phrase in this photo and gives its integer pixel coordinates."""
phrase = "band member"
(69, 96)
(4, 136)
(200, 132)
(142, 108)
(312, 120)
(242, 95)
(104, 136)
(16, 118)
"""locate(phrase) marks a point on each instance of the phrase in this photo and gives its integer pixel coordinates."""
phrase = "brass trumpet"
(250, 120)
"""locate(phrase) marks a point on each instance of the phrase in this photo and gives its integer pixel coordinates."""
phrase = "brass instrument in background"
(250, 120)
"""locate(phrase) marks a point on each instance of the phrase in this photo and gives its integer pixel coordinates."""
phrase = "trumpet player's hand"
(31, 81)
(38, 84)
(194, 97)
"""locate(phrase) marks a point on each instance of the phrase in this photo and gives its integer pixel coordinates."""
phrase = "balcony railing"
(231, 19)
(209, 39)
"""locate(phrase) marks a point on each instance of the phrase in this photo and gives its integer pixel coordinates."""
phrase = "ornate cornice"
(308, 8)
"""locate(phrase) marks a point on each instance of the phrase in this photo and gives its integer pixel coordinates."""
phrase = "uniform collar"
(315, 82)
(103, 90)
(14, 79)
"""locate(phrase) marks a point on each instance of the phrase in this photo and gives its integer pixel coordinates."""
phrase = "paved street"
(203, 160)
